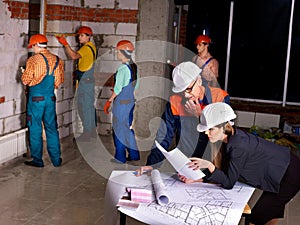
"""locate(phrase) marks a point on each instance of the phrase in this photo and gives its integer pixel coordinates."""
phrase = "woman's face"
(83, 38)
(215, 134)
(120, 56)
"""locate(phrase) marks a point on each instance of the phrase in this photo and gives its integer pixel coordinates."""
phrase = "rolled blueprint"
(179, 161)
(159, 188)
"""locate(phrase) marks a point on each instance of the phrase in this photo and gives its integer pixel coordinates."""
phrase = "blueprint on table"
(196, 203)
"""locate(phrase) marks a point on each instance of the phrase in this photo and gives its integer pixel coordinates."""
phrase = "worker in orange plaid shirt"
(44, 72)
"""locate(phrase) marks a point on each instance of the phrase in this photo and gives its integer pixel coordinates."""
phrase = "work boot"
(32, 163)
(58, 164)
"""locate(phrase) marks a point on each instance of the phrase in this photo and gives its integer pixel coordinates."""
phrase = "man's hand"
(106, 107)
(193, 107)
(62, 40)
(142, 170)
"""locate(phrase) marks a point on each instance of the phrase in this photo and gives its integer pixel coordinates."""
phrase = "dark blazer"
(254, 161)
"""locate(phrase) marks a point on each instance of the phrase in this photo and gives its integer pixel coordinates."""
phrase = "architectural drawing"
(212, 212)
(192, 204)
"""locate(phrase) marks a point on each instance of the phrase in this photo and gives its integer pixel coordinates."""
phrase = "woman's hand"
(197, 164)
(142, 170)
(188, 181)
(106, 107)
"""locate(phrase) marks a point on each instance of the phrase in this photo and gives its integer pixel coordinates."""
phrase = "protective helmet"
(37, 38)
(85, 30)
(125, 45)
(183, 74)
(215, 114)
(203, 39)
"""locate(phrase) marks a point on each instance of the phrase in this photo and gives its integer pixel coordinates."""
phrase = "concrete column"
(155, 24)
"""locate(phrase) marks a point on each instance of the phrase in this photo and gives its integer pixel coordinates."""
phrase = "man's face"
(193, 91)
(36, 49)
(201, 46)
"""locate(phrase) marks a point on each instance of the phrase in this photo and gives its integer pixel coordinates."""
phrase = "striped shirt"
(36, 69)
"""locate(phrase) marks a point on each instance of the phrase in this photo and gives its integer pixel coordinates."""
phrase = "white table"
(196, 203)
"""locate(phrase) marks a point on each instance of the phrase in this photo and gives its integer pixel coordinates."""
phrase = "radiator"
(13, 145)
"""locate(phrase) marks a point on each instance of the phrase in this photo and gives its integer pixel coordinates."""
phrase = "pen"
(145, 171)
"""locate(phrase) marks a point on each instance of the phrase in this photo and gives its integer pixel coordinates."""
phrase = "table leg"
(122, 218)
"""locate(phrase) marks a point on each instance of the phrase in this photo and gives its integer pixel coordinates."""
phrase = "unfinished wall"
(13, 55)
(110, 20)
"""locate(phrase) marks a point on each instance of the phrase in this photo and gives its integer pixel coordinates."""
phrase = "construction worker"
(208, 64)
(181, 114)
(250, 159)
(86, 56)
(126, 81)
(44, 72)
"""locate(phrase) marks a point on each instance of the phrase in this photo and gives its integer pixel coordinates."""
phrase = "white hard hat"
(183, 74)
(215, 114)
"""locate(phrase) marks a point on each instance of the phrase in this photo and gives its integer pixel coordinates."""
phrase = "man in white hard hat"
(181, 115)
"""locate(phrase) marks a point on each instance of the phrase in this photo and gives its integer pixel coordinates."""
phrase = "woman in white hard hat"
(250, 159)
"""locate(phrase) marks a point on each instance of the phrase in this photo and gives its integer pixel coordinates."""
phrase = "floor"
(72, 194)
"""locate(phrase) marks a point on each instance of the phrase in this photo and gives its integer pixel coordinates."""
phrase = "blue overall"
(41, 107)
(85, 100)
(122, 111)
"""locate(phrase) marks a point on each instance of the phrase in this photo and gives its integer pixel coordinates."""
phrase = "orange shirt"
(36, 69)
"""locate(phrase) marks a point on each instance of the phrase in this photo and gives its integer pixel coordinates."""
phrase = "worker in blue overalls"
(86, 56)
(123, 104)
(44, 72)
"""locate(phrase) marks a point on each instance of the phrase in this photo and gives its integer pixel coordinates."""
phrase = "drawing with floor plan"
(196, 203)
(212, 212)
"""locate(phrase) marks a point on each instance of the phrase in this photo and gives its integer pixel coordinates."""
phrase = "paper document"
(194, 204)
(159, 188)
(179, 161)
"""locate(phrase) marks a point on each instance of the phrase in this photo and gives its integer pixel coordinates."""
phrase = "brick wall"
(183, 24)
(24, 10)
(111, 20)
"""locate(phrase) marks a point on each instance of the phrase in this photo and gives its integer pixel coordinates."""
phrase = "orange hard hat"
(85, 30)
(125, 45)
(37, 38)
(203, 39)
